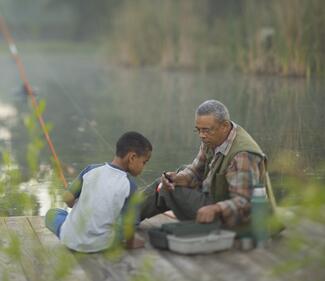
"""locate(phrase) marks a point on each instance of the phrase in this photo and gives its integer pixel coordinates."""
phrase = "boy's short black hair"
(132, 141)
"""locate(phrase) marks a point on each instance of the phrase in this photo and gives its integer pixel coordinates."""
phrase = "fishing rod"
(29, 90)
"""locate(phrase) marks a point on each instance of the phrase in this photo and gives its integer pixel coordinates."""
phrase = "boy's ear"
(131, 156)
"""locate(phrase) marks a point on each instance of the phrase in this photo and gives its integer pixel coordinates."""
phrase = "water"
(90, 104)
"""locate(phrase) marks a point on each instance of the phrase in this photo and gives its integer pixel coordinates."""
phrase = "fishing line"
(81, 113)
(66, 93)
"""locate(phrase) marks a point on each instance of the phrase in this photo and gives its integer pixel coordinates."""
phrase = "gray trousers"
(183, 201)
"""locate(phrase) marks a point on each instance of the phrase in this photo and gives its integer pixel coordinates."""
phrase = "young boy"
(99, 197)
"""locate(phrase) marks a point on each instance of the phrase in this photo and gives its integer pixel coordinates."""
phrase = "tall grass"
(276, 37)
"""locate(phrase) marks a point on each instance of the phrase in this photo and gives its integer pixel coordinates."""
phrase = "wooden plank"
(183, 264)
(10, 268)
(300, 254)
(100, 267)
(190, 266)
(137, 263)
(103, 267)
(56, 251)
(267, 261)
(241, 265)
(108, 266)
(311, 229)
(151, 263)
(33, 259)
(42, 253)
(130, 264)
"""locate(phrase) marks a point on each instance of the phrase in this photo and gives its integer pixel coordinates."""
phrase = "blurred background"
(103, 67)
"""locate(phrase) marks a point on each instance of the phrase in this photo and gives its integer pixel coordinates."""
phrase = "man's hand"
(208, 213)
(168, 183)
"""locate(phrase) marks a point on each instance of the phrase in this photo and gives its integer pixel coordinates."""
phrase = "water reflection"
(91, 104)
(7, 118)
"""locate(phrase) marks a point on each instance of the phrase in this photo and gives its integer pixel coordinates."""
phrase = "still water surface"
(90, 104)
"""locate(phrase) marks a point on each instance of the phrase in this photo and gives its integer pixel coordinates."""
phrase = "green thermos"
(260, 215)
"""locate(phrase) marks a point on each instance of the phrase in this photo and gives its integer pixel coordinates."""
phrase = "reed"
(273, 37)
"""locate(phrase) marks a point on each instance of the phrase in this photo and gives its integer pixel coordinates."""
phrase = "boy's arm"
(73, 192)
(128, 220)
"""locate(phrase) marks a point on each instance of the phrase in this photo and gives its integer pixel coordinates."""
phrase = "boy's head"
(135, 150)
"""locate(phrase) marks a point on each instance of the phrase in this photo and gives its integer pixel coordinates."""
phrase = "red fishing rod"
(22, 73)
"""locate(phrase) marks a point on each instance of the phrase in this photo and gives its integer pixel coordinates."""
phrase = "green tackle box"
(190, 237)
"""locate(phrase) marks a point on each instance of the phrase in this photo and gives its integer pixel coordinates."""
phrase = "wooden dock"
(29, 252)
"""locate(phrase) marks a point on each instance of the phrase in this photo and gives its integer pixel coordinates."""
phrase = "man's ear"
(226, 125)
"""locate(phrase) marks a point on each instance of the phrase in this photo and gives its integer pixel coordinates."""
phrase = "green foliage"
(56, 188)
(5, 275)
(36, 142)
(13, 200)
(63, 266)
(145, 272)
(303, 213)
(13, 250)
(131, 215)
(124, 227)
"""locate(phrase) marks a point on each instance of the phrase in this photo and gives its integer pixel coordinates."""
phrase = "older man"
(220, 180)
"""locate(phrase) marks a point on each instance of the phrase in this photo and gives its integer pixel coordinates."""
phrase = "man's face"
(211, 131)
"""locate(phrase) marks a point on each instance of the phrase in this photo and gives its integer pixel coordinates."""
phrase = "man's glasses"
(204, 131)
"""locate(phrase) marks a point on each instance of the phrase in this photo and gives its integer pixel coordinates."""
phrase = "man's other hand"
(208, 213)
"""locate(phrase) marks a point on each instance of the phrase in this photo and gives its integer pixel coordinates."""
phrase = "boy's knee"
(50, 217)
(54, 218)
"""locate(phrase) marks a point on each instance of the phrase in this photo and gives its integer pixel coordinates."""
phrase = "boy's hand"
(134, 243)
(68, 198)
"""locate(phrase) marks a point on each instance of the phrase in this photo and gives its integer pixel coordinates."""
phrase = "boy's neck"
(120, 163)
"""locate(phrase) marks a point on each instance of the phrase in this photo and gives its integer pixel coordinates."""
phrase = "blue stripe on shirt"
(76, 186)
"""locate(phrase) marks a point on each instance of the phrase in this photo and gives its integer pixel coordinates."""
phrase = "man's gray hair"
(214, 107)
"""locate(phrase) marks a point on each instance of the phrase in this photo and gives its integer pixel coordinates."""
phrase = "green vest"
(219, 185)
(215, 172)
